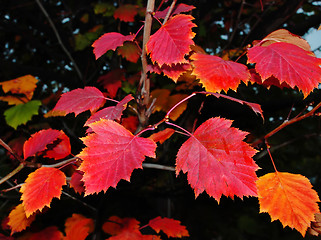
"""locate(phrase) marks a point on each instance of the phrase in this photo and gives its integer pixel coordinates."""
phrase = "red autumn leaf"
(40, 188)
(126, 12)
(178, 9)
(173, 71)
(49, 233)
(162, 136)
(110, 41)
(115, 225)
(112, 153)
(112, 113)
(60, 148)
(80, 100)
(130, 51)
(76, 182)
(78, 227)
(288, 63)
(3, 237)
(18, 220)
(271, 81)
(112, 81)
(218, 161)
(288, 198)
(39, 141)
(172, 41)
(171, 227)
(130, 123)
(217, 74)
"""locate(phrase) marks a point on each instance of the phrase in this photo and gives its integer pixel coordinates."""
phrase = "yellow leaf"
(13, 100)
(288, 198)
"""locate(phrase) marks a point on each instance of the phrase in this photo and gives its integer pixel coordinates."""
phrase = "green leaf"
(104, 8)
(21, 113)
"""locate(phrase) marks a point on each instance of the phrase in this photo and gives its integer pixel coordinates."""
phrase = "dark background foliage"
(29, 46)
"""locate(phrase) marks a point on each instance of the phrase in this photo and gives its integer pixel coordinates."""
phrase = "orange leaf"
(22, 85)
(288, 198)
(112, 153)
(162, 136)
(40, 188)
(78, 227)
(126, 12)
(18, 220)
(13, 100)
(217, 74)
(218, 161)
(171, 227)
(168, 45)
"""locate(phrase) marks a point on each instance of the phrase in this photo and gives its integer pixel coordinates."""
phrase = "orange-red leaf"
(130, 51)
(78, 227)
(115, 225)
(112, 113)
(288, 198)
(39, 141)
(288, 63)
(109, 41)
(76, 182)
(171, 227)
(126, 12)
(173, 71)
(80, 100)
(178, 9)
(218, 161)
(49, 233)
(18, 220)
(112, 81)
(40, 188)
(162, 136)
(60, 148)
(217, 74)
(112, 153)
(172, 41)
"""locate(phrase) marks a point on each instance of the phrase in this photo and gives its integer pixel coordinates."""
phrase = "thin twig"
(8, 148)
(158, 166)
(59, 39)
(61, 163)
(169, 11)
(15, 171)
(78, 200)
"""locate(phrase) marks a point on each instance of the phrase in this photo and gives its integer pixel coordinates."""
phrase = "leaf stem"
(174, 125)
(269, 152)
(183, 100)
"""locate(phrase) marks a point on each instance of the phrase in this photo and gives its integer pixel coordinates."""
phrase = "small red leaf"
(76, 182)
(38, 141)
(288, 63)
(218, 161)
(112, 113)
(173, 71)
(109, 41)
(80, 100)
(130, 51)
(61, 149)
(112, 153)
(126, 12)
(40, 188)
(112, 81)
(171, 227)
(217, 74)
(178, 9)
(172, 41)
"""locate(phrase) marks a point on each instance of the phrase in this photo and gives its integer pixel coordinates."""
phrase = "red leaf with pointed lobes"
(173, 71)
(288, 63)
(171, 227)
(289, 198)
(39, 141)
(217, 74)
(40, 188)
(80, 100)
(112, 153)
(172, 41)
(112, 113)
(18, 220)
(178, 9)
(112, 81)
(271, 81)
(218, 161)
(126, 12)
(61, 147)
(110, 41)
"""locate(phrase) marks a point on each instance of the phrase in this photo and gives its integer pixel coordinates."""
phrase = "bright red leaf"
(109, 41)
(112, 81)
(40, 188)
(112, 153)
(39, 141)
(289, 198)
(171, 227)
(173, 71)
(76, 182)
(112, 113)
(288, 63)
(126, 12)
(217, 74)
(78, 227)
(60, 148)
(218, 161)
(178, 9)
(80, 100)
(18, 220)
(172, 41)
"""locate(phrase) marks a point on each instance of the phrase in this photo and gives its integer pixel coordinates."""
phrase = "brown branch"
(169, 11)
(14, 172)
